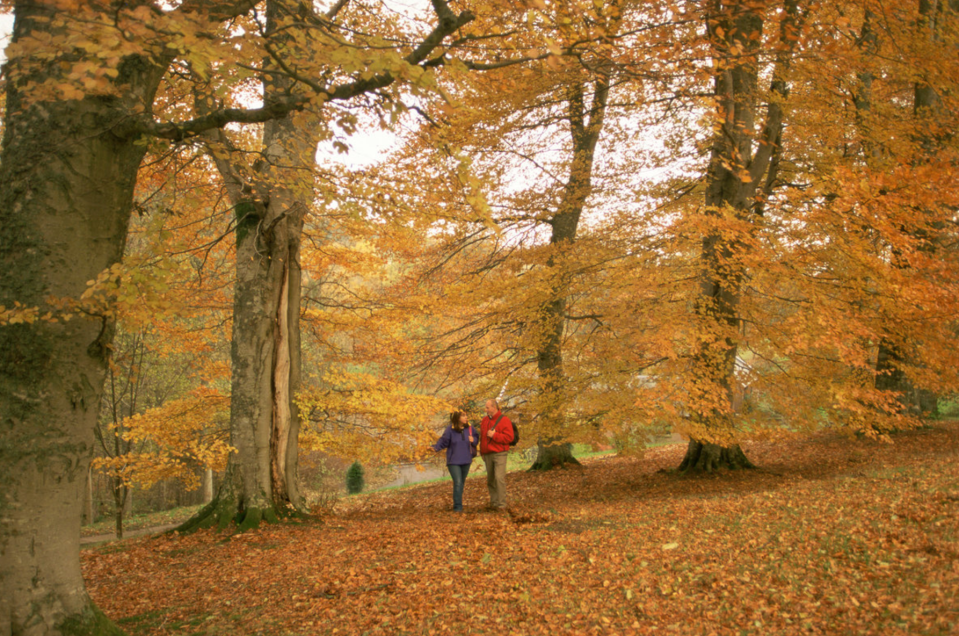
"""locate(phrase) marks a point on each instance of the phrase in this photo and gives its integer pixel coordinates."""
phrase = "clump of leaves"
(354, 478)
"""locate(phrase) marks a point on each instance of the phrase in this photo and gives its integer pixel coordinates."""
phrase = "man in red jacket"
(496, 432)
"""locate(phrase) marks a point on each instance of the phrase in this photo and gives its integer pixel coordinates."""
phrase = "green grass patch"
(141, 622)
(141, 521)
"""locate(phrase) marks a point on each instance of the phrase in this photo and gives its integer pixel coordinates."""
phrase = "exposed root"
(250, 518)
(708, 458)
(555, 456)
(222, 512)
(90, 622)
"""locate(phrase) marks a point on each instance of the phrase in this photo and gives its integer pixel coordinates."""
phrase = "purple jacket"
(459, 451)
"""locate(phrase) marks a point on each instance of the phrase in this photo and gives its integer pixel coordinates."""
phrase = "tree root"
(222, 511)
(708, 458)
(91, 622)
(219, 512)
(556, 456)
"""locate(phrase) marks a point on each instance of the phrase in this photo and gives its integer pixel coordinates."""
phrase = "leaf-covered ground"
(831, 536)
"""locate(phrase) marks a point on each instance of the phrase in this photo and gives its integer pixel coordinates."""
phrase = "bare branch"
(335, 9)
(772, 131)
(218, 11)
(178, 131)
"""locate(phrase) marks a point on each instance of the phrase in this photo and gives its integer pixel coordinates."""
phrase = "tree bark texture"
(741, 174)
(553, 454)
(706, 458)
(586, 124)
(262, 476)
(68, 168)
(66, 191)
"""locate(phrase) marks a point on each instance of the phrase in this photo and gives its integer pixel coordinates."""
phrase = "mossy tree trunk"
(739, 180)
(586, 124)
(553, 454)
(261, 482)
(261, 479)
(271, 203)
(66, 193)
(68, 167)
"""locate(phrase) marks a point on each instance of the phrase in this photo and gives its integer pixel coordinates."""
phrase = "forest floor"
(106, 537)
(831, 535)
(135, 525)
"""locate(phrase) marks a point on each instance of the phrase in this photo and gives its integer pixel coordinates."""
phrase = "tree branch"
(217, 11)
(772, 132)
(449, 22)
(335, 9)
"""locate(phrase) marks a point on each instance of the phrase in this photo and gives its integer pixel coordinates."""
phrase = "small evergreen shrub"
(354, 479)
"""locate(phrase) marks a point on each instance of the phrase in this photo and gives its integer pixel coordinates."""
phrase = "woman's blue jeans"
(458, 473)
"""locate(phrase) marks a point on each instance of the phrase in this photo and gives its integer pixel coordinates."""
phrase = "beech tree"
(75, 112)
(81, 85)
(846, 270)
(586, 98)
(865, 214)
(272, 197)
(743, 295)
(741, 174)
(895, 352)
(837, 263)
(513, 171)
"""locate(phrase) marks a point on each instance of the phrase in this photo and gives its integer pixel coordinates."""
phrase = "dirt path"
(97, 539)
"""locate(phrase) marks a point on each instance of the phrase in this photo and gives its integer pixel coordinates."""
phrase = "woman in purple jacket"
(459, 439)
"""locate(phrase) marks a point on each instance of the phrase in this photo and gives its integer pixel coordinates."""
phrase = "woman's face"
(463, 420)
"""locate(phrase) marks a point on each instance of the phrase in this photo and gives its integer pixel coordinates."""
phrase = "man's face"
(490, 408)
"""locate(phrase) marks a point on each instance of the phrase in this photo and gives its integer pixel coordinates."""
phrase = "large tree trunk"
(261, 480)
(67, 173)
(63, 213)
(733, 181)
(68, 169)
(262, 477)
(890, 377)
(66, 191)
(553, 454)
(586, 124)
(707, 458)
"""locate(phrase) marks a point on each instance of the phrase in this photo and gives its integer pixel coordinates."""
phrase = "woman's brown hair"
(455, 421)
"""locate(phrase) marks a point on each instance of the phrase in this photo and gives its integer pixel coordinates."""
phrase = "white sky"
(367, 146)
(6, 28)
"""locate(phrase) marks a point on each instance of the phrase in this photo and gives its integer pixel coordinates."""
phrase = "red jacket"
(502, 434)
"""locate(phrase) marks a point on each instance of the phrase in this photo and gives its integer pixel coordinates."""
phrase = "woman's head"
(458, 420)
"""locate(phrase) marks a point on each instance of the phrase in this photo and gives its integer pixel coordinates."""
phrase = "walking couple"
(460, 440)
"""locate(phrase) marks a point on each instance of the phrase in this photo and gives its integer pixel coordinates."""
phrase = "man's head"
(492, 407)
